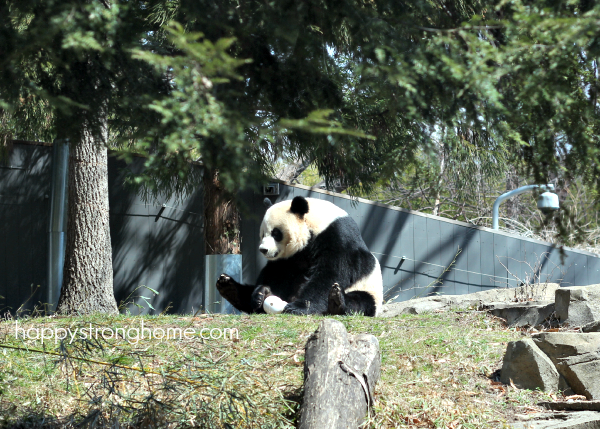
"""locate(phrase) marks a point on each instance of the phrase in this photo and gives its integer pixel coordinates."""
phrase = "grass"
(437, 371)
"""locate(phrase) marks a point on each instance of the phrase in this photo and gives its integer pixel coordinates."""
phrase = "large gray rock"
(539, 292)
(557, 345)
(544, 292)
(591, 327)
(416, 306)
(571, 405)
(528, 367)
(578, 305)
(564, 420)
(521, 314)
(582, 373)
(576, 357)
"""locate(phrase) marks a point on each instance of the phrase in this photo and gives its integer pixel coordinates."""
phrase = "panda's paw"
(259, 295)
(225, 284)
(336, 303)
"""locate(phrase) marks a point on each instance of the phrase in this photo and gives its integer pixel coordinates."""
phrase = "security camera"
(548, 202)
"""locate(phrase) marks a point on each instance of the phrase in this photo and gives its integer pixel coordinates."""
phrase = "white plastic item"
(274, 305)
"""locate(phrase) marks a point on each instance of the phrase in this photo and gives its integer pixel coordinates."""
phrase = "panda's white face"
(284, 232)
(272, 245)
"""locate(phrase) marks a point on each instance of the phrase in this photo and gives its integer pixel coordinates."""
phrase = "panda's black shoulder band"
(299, 206)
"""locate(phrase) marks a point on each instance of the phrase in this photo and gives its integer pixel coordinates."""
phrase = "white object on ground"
(274, 305)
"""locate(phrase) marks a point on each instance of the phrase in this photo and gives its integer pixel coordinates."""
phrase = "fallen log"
(340, 372)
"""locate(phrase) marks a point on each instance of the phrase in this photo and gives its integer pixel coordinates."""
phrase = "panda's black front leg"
(258, 298)
(237, 294)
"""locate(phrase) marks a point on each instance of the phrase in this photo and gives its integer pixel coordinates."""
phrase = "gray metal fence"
(165, 253)
(422, 254)
(24, 222)
(163, 248)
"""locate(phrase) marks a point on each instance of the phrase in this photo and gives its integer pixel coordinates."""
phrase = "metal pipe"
(58, 219)
(514, 192)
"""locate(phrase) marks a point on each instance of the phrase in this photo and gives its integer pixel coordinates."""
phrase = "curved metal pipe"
(514, 192)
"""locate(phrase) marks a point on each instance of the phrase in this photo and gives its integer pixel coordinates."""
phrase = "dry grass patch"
(437, 371)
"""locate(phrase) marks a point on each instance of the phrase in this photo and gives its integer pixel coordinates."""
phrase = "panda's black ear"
(299, 206)
(267, 202)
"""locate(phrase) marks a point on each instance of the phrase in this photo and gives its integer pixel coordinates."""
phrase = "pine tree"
(358, 89)
(70, 60)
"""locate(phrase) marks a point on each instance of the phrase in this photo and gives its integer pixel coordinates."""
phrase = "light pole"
(547, 202)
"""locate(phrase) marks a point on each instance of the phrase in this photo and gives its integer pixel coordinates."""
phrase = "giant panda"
(317, 262)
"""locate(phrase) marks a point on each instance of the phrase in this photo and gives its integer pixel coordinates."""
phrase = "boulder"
(591, 327)
(415, 306)
(571, 405)
(576, 356)
(544, 292)
(582, 373)
(578, 305)
(521, 314)
(528, 367)
(539, 291)
(557, 345)
(423, 307)
(564, 420)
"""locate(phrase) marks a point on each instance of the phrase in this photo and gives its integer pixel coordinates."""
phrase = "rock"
(572, 405)
(591, 327)
(528, 367)
(416, 306)
(423, 307)
(543, 292)
(565, 420)
(576, 356)
(521, 314)
(582, 373)
(558, 345)
(578, 305)
(540, 292)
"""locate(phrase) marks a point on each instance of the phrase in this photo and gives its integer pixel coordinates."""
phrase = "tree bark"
(290, 172)
(512, 205)
(221, 218)
(340, 372)
(88, 274)
(438, 192)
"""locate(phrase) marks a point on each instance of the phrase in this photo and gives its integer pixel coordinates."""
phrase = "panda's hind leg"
(350, 303)
(336, 303)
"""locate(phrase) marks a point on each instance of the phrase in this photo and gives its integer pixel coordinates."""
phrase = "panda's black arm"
(239, 295)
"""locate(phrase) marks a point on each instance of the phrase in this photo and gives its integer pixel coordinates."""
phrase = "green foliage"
(194, 124)
(68, 63)
(366, 91)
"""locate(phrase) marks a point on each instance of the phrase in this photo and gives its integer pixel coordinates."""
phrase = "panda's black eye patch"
(277, 234)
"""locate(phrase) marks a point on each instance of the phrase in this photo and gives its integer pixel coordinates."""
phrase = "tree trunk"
(6, 143)
(511, 206)
(290, 172)
(88, 274)
(340, 372)
(221, 218)
(438, 192)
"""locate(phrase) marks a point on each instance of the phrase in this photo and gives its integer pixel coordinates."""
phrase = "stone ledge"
(561, 420)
